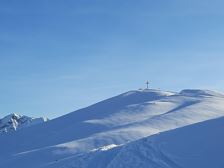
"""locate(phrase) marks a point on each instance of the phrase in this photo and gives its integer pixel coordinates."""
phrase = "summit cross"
(147, 85)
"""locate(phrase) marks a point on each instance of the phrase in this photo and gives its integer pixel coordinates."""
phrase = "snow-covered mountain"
(14, 122)
(101, 135)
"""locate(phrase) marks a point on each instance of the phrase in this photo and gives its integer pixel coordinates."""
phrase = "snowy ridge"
(191, 92)
(12, 122)
(98, 132)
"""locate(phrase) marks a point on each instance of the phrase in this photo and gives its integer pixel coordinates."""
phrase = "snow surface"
(195, 146)
(97, 136)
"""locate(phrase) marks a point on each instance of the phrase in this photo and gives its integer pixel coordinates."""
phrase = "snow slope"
(104, 126)
(196, 146)
(13, 122)
(200, 145)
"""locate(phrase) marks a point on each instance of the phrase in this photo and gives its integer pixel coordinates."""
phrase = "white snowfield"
(122, 132)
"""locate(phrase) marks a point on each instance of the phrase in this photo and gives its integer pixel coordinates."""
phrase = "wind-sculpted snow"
(114, 122)
(198, 145)
(194, 146)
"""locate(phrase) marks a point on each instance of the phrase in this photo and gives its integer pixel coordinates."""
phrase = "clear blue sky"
(60, 55)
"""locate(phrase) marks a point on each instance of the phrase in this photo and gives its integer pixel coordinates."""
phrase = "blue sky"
(57, 56)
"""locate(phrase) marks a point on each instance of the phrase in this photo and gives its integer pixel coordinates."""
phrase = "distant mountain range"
(13, 122)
